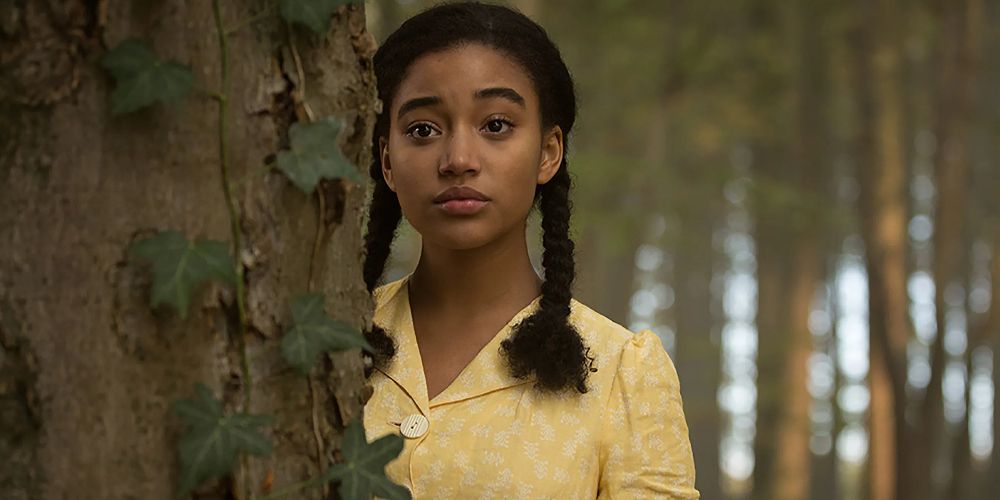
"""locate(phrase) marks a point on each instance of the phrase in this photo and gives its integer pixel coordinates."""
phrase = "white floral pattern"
(494, 436)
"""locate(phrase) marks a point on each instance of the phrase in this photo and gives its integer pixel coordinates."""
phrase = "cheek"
(406, 172)
(408, 190)
(520, 194)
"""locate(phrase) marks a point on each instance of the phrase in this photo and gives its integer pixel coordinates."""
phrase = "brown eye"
(421, 131)
(497, 126)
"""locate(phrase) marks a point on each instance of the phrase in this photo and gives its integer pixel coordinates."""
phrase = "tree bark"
(87, 369)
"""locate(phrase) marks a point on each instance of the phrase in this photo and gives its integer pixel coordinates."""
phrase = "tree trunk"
(770, 354)
(87, 369)
(955, 76)
(881, 173)
(962, 481)
(789, 270)
(826, 471)
(809, 176)
(699, 357)
(994, 469)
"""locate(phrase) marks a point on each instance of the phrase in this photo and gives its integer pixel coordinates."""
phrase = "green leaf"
(363, 472)
(180, 266)
(314, 14)
(314, 332)
(143, 79)
(213, 440)
(315, 155)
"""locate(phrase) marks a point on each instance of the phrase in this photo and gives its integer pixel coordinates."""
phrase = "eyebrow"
(503, 93)
(415, 103)
(488, 93)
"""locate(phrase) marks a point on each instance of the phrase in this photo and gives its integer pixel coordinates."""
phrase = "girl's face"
(467, 118)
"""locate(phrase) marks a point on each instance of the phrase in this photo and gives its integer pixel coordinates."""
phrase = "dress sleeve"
(646, 451)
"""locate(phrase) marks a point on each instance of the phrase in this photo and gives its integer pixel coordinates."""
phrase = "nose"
(460, 155)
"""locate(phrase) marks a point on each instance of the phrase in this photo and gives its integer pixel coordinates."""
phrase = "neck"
(474, 279)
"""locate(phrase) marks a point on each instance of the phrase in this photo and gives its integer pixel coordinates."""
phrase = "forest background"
(799, 197)
(802, 199)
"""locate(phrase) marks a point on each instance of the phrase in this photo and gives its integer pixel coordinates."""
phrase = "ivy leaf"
(213, 440)
(315, 14)
(142, 78)
(314, 333)
(363, 472)
(315, 155)
(180, 266)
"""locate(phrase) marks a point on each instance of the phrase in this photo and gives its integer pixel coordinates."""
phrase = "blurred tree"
(809, 174)
(87, 369)
(790, 175)
(955, 60)
(881, 173)
(987, 184)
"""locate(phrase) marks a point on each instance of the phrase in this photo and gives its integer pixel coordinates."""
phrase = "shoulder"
(605, 336)
(617, 350)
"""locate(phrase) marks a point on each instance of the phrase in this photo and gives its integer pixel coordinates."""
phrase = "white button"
(413, 426)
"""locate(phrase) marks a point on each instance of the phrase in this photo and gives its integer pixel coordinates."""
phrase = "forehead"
(458, 72)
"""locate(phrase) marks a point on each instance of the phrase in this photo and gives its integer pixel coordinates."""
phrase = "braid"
(546, 343)
(384, 215)
(557, 258)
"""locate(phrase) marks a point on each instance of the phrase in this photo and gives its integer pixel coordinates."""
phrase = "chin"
(461, 240)
(461, 235)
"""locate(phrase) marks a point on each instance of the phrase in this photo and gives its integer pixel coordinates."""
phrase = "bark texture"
(87, 369)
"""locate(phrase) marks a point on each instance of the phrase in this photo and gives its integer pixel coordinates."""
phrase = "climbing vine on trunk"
(214, 440)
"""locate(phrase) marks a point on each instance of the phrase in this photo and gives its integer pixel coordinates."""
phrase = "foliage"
(315, 154)
(363, 472)
(143, 79)
(314, 14)
(213, 440)
(314, 333)
(180, 266)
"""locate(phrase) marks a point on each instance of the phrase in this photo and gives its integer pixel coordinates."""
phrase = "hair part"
(545, 344)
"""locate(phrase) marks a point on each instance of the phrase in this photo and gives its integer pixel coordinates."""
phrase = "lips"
(459, 193)
(461, 201)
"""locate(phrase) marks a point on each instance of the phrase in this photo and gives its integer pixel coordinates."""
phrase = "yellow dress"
(489, 435)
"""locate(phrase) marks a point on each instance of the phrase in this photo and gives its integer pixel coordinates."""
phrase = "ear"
(383, 151)
(552, 154)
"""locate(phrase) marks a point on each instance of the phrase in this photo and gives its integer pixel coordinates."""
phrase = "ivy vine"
(214, 440)
(180, 266)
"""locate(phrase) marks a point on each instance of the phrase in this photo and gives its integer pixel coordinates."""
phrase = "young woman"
(503, 385)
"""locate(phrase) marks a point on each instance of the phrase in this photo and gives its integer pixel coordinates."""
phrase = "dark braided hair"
(545, 343)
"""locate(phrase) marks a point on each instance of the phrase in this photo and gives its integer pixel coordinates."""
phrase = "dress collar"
(486, 373)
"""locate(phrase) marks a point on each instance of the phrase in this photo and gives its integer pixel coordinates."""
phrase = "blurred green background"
(801, 198)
